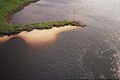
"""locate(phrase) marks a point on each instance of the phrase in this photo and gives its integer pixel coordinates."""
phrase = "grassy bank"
(9, 7)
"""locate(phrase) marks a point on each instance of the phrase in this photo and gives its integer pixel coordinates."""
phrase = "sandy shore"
(39, 36)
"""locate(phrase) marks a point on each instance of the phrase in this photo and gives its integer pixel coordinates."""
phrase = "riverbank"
(42, 37)
(8, 8)
(39, 37)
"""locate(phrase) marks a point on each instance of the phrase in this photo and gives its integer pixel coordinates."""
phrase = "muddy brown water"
(92, 52)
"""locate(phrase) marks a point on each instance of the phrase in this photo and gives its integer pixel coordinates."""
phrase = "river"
(92, 52)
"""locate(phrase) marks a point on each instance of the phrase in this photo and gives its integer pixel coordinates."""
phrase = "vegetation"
(8, 7)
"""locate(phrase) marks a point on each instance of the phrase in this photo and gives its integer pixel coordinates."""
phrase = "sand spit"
(39, 36)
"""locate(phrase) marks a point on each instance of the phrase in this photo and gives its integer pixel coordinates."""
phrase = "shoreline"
(7, 29)
(39, 36)
(21, 6)
(41, 26)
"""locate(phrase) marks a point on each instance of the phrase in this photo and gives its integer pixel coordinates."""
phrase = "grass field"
(9, 7)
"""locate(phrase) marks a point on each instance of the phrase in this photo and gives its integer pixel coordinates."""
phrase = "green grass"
(9, 7)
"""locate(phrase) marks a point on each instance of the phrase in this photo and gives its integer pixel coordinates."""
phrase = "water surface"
(89, 53)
